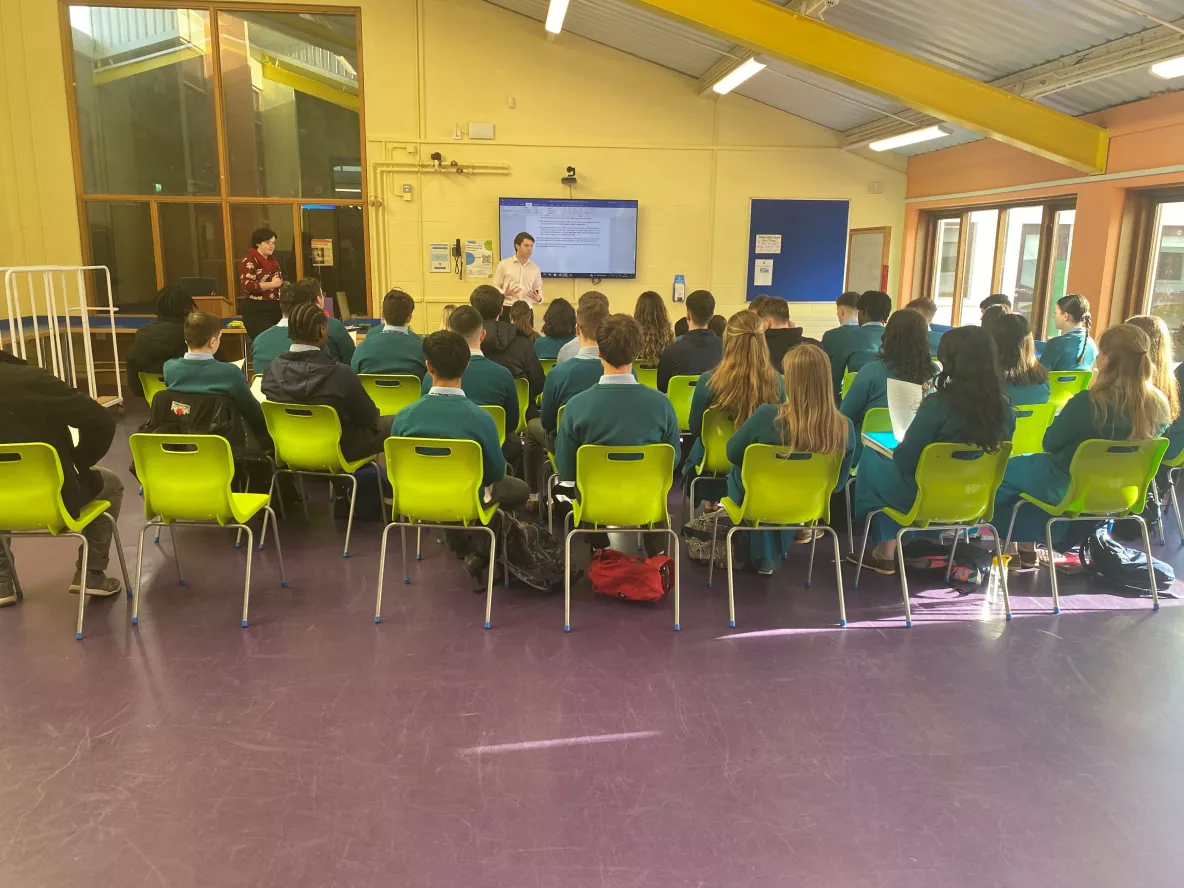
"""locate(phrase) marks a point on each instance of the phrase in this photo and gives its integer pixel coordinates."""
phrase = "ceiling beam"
(770, 30)
(1116, 57)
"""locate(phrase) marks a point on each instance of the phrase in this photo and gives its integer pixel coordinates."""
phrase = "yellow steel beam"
(111, 73)
(306, 82)
(939, 92)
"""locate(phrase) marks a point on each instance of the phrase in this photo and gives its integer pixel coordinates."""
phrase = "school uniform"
(157, 341)
(1064, 352)
(765, 547)
(567, 380)
(692, 355)
(873, 332)
(1046, 475)
(487, 384)
(893, 482)
(200, 374)
(935, 340)
(782, 340)
(393, 350)
(274, 341)
(1024, 395)
(868, 389)
(1175, 432)
(844, 341)
(547, 347)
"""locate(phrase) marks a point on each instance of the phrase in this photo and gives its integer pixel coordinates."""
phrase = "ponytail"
(1077, 307)
(1126, 384)
(745, 378)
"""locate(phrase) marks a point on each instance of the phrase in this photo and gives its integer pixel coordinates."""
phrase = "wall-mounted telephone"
(458, 259)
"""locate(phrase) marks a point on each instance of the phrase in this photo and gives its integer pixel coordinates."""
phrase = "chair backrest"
(782, 487)
(679, 391)
(1111, 477)
(647, 376)
(391, 393)
(31, 488)
(499, 419)
(718, 427)
(624, 486)
(151, 383)
(848, 378)
(522, 386)
(956, 483)
(548, 365)
(185, 477)
(306, 436)
(1064, 384)
(435, 479)
(1031, 422)
(877, 419)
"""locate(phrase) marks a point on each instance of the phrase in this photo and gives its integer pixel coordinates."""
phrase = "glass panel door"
(1021, 251)
(982, 226)
(1165, 296)
(335, 254)
(1058, 268)
(945, 268)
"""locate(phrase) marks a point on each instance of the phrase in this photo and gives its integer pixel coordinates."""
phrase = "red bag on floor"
(617, 575)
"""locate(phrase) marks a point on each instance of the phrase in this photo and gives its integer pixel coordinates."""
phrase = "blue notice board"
(812, 264)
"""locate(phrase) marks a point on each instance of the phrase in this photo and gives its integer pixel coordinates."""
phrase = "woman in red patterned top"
(260, 277)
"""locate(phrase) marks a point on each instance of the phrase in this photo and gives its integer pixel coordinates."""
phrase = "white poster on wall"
(438, 256)
(768, 243)
(762, 273)
(478, 259)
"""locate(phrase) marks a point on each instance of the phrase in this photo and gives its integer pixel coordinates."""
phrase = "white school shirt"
(527, 277)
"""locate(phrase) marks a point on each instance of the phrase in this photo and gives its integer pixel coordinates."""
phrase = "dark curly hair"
(971, 386)
(905, 347)
(559, 320)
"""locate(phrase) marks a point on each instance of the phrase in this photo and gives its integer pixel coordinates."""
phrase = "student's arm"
(343, 343)
(510, 403)
(361, 408)
(134, 368)
(566, 445)
(855, 403)
(848, 456)
(700, 401)
(670, 432)
(492, 461)
(664, 362)
(67, 405)
(1071, 426)
(1052, 358)
(920, 435)
(549, 416)
(534, 372)
(358, 361)
(240, 393)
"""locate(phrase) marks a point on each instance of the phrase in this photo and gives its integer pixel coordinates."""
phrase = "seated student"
(305, 374)
(572, 348)
(198, 373)
(36, 406)
(839, 342)
(580, 373)
(781, 333)
(446, 412)
(681, 326)
(994, 299)
(618, 410)
(927, 308)
(1164, 379)
(1121, 404)
(743, 380)
(992, 313)
(806, 422)
(274, 340)
(968, 407)
(903, 355)
(521, 315)
(394, 349)
(505, 344)
(1073, 349)
(340, 344)
(656, 332)
(1024, 380)
(717, 325)
(559, 328)
(696, 352)
(160, 340)
(874, 309)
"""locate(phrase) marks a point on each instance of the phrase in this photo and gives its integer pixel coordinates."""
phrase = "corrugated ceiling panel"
(814, 97)
(1117, 90)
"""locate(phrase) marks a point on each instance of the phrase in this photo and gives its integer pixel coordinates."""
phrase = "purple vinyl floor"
(315, 748)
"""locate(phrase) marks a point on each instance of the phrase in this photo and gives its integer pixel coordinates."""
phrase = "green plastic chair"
(718, 428)
(876, 419)
(391, 393)
(956, 485)
(187, 480)
(647, 375)
(553, 477)
(623, 487)
(499, 419)
(782, 491)
(1064, 384)
(1107, 480)
(436, 482)
(522, 386)
(1173, 465)
(679, 391)
(548, 365)
(152, 383)
(848, 378)
(31, 505)
(307, 441)
(1031, 422)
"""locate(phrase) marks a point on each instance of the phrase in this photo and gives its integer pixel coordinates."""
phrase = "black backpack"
(186, 413)
(1104, 557)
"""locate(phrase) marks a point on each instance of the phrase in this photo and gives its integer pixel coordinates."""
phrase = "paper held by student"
(903, 400)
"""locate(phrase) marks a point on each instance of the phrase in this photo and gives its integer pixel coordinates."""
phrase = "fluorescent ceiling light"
(921, 135)
(555, 14)
(1169, 68)
(736, 76)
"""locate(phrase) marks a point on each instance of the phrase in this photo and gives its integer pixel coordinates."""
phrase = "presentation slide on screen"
(575, 238)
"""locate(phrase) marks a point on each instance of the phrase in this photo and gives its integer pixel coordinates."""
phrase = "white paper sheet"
(903, 400)
(768, 243)
(762, 273)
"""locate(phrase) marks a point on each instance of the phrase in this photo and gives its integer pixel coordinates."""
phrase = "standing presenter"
(517, 277)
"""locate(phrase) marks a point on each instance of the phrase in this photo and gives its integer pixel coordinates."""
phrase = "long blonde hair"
(1161, 358)
(745, 378)
(1124, 384)
(809, 420)
(656, 332)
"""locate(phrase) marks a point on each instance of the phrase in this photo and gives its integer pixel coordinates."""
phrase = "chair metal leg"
(850, 519)
(82, 585)
(810, 569)
(1158, 512)
(904, 583)
(279, 550)
(1150, 562)
(489, 580)
(1011, 526)
(263, 532)
(731, 578)
(505, 561)
(176, 555)
(18, 593)
(381, 573)
(711, 554)
(677, 615)
(1175, 504)
(304, 499)
(867, 527)
(139, 574)
(953, 549)
(838, 574)
(127, 583)
(381, 495)
(406, 566)
(567, 538)
(1002, 569)
(349, 524)
(1052, 566)
(247, 583)
(639, 545)
(419, 544)
(271, 489)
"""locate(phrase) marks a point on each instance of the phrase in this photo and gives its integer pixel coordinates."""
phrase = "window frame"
(223, 196)
(1139, 215)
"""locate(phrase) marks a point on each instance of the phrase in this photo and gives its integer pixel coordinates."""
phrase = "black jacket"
(156, 342)
(692, 355)
(782, 339)
(37, 406)
(312, 377)
(505, 344)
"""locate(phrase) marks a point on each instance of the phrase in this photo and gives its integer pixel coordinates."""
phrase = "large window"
(195, 126)
(1020, 251)
(1165, 280)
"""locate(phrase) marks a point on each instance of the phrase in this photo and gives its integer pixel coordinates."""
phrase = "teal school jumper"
(206, 376)
(564, 382)
(339, 345)
(547, 347)
(1023, 395)
(765, 547)
(274, 341)
(1061, 352)
(1046, 475)
(390, 351)
(839, 344)
(873, 335)
(622, 415)
(487, 384)
(454, 416)
(893, 482)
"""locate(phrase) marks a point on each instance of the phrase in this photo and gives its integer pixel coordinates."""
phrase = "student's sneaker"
(97, 583)
(884, 566)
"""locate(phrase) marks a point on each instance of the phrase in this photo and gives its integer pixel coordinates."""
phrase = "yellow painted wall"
(632, 130)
